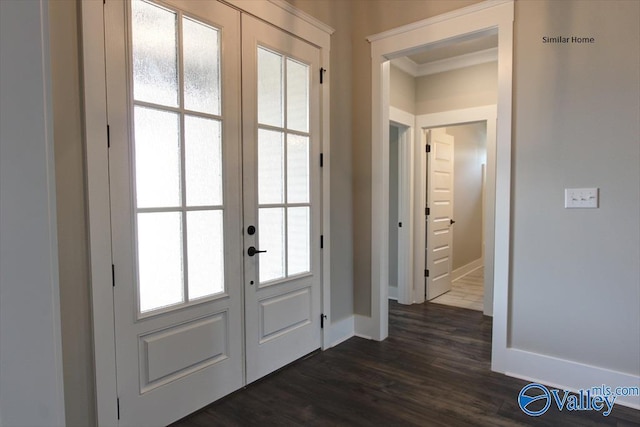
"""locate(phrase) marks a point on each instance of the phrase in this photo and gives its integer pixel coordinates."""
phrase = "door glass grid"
(284, 202)
(177, 149)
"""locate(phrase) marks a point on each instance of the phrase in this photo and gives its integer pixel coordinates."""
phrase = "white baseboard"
(568, 375)
(393, 293)
(341, 331)
(466, 269)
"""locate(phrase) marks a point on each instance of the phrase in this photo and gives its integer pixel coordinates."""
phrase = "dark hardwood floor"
(434, 369)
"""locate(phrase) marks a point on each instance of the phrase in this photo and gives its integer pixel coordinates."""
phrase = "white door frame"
(486, 114)
(490, 15)
(278, 13)
(405, 122)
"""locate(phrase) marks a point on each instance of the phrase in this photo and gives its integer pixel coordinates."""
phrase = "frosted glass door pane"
(155, 70)
(297, 169)
(203, 161)
(298, 233)
(271, 226)
(270, 167)
(205, 252)
(157, 153)
(270, 88)
(201, 55)
(297, 96)
(160, 260)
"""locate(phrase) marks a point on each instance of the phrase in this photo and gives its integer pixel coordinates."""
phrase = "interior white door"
(439, 221)
(174, 159)
(281, 132)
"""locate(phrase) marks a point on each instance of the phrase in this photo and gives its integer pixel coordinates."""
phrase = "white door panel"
(440, 200)
(281, 123)
(175, 196)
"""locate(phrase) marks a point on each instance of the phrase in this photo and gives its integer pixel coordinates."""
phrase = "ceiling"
(454, 49)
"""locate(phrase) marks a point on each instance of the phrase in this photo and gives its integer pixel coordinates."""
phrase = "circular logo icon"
(534, 399)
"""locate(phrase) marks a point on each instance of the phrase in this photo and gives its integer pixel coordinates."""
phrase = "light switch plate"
(581, 198)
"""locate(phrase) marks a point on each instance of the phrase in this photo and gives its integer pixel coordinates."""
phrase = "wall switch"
(580, 198)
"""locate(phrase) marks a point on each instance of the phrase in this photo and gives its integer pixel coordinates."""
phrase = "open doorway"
(401, 212)
(442, 31)
(453, 86)
(394, 218)
(476, 129)
(474, 212)
(459, 256)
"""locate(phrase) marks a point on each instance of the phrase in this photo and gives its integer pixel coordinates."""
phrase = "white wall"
(31, 384)
(576, 273)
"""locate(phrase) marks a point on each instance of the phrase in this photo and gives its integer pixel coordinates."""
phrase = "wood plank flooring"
(466, 292)
(433, 370)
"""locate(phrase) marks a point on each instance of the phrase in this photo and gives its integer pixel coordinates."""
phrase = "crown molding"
(406, 65)
(462, 61)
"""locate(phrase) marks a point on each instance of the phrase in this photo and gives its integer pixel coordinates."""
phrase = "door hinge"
(426, 273)
(321, 159)
(428, 148)
(322, 319)
(322, 241)
(113, 275)
(322, 71)
(427, 211)
(108, 137)
(118, 403)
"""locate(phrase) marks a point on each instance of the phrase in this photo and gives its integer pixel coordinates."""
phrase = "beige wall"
(452, 90)
(402, 90)
(31, 373)
(576, 273)
(470, 147)
(341, 154)
(72, 237)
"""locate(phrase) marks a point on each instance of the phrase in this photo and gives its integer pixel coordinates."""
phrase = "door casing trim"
(92, 34)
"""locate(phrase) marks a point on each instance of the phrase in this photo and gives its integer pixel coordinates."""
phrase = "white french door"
(193, 163)
(281, 121)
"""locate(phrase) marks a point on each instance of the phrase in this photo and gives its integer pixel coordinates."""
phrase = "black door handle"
(451, 222)
(252, 251)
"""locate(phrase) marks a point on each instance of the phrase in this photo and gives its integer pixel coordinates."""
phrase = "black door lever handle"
(451, 222)
(252, 251)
